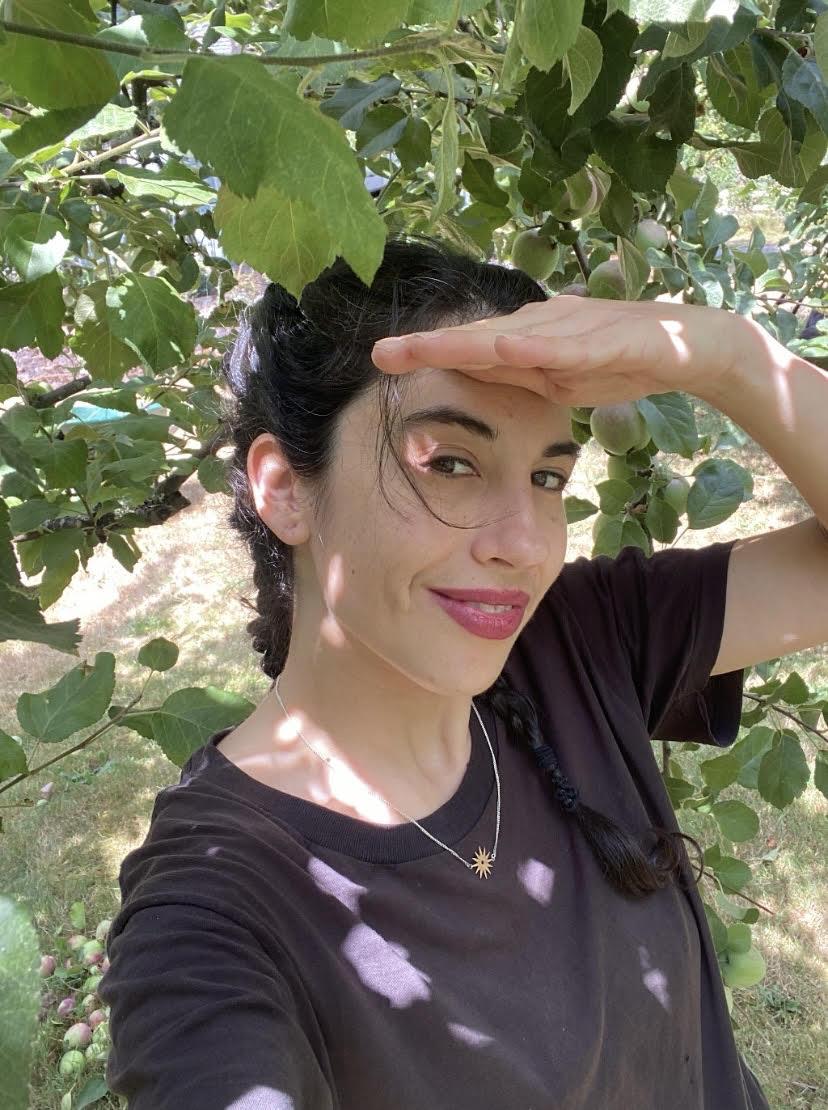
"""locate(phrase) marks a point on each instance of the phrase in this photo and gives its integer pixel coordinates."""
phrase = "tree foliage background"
(146, 148)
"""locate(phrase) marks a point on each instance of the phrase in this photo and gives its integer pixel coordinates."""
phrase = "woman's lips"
(491, 626)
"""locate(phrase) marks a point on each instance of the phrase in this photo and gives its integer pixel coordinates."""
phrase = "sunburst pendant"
(482, 863)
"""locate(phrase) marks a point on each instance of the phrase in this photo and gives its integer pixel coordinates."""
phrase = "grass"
(186, 588)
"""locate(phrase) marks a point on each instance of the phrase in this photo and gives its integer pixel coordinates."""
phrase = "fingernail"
(390, 344)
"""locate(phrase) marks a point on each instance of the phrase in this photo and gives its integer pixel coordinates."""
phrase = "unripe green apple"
(675, 493)
(650, 233)
(581, 414)
(584, 194)
(617, 467)
(618, 428)
(743, 969)
(607, 281)
(575, 289)
(535, 254)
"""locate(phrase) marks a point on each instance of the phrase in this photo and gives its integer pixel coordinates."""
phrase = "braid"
(270, 629)
(621, 856)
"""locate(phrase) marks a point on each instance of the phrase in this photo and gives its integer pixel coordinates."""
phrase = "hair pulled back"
(294, 367)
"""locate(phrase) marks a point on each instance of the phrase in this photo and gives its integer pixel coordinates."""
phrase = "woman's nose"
(519, 532)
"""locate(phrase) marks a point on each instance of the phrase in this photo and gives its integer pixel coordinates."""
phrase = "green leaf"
(354, 98)
(62, 461)
(667, 11)
(749, 751)
(793, 690)
(717, 229)
(43, 130)
(614, 494)
(35, 244)
(547, 29)
(283, 238)
(661, 519)
(582, 63)
(719, 488)
(733, 86)
(159, 654)
(31, 314)
(357, 23)
(174, 182)
(738, 937)
(479, 182)
(811, 192)
(737, 821)
(187, 719)
(732, 872)
(105, 355)
(149, 317)
(673, 102)
(802, 79)
(381, 129)
(671, 423)
(774, 154)
(446, 160)
(684, 188)
(12, 757)
(720, 772)
(678, 789)
(578, 508)
(54, 74)
(76, 701)
(634, 267)
(644, 162)
(821, 773)
(20, 985)
(124, 552)
(617, 211)
(212, 473)
(279, 141)
(821, 41)
(783, 772)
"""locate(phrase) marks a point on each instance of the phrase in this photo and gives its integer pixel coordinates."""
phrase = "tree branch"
(163, 502)
(54, 396)
(785, 713)
(114, 152)
(410, 45)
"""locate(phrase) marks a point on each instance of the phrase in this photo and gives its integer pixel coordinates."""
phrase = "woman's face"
(375, 567)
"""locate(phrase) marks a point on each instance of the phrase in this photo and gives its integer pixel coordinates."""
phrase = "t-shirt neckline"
(451, 823)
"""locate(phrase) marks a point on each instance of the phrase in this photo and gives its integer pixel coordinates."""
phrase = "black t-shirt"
(270, 954)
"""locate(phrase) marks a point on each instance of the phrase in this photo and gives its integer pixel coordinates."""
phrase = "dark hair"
(293, 369)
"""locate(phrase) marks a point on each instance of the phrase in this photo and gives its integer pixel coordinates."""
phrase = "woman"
(327, 911)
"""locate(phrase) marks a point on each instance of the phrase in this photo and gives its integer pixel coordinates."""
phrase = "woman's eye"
(443, 465)
(446, 459)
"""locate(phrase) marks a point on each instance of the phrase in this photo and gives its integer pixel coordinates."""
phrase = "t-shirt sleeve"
(201, 1017)
(666, 611)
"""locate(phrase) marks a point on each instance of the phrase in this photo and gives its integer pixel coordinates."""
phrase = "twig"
(78, 747)
(114, 152)
(785, 713)
(413, 44)
(579, 251)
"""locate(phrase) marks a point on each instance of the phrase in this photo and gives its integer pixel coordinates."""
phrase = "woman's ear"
(278, 492)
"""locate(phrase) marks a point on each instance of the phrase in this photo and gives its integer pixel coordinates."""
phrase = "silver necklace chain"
(483, 859)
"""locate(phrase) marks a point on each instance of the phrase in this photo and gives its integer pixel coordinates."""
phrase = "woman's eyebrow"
(447, 414)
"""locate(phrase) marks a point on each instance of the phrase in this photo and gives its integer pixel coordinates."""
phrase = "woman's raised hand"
(582, 350)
